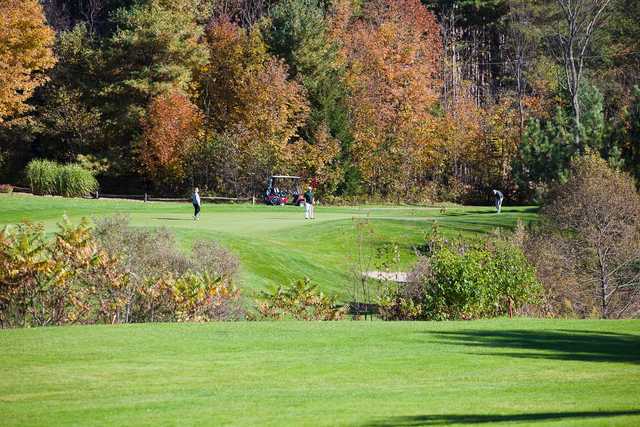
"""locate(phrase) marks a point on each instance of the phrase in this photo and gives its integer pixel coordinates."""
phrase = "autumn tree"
(598, 213)
(153, 50)
(247, 98)
(170, 127)
(25, 54)
(317, 162)
(393, 52)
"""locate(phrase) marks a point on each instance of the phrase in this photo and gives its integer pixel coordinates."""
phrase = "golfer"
(195, 199)
(499, 197)
(308, 204)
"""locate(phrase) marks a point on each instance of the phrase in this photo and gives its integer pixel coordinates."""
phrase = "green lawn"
(524, 372)
(275, 244)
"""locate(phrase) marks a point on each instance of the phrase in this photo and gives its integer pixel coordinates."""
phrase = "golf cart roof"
(285, 176)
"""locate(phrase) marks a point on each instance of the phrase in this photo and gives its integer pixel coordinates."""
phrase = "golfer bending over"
(499, 197)
(308, 205)
(195, 199)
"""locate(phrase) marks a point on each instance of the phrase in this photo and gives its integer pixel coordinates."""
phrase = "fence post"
(253, 200)
(145, 197)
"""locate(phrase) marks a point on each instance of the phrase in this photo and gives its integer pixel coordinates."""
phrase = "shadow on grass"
(439, 420)
(173, 219)
(574, 345)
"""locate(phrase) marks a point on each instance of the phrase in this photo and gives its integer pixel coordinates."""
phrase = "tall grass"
(47, 177)
(42, 176)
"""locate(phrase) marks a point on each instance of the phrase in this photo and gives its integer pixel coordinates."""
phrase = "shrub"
(591, 224)
(212, 258)
(6, 188)
(164, 283)
(204, 297)
(566, 293)
(113, 274)
(41, 281)
(464, 281)
(143, 252)
(50, 178)
(301, 301)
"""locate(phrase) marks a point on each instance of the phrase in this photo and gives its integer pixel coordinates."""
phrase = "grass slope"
(276, 244)
(524, 372)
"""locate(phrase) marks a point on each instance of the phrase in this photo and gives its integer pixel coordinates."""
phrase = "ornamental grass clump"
(75, 181)
(50, 178)
(42, 176)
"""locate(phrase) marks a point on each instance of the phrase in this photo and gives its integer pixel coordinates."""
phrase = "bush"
(50, 178)
(590, 242)
(164, 283)
(113, 274)
(6, 188)
(42, 281)
(143, 252)
(212, 258)
(464, 281)
(301, 301)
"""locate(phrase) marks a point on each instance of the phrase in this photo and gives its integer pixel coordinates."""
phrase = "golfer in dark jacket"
(195, 199)
(308, 204)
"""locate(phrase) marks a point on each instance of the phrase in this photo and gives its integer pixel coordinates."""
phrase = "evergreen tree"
(631, 138)
(298, 33)
(548, 145)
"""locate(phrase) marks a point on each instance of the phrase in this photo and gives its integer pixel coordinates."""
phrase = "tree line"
(398, 99)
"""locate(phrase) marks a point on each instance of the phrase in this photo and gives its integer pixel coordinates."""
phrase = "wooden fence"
(149, 198)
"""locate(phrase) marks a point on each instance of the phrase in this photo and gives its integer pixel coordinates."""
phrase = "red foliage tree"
(170, 129)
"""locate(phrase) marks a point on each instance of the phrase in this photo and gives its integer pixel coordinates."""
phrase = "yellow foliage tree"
(25, 54)
(249, 100)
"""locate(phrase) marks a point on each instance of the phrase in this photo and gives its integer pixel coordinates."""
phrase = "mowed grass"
(275, 244)
(367, 373)
(504, 372)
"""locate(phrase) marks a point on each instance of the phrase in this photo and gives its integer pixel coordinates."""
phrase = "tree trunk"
(576, 110)
(604, 284)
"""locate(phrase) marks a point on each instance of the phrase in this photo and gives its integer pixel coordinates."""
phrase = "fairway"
(276, 244)
(524, 372)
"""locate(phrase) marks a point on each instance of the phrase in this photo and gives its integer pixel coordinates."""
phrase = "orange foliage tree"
(393, 52)
(25, 53)
(171, 127)
(477, 146)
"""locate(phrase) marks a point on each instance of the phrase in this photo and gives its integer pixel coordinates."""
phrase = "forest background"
(393, 99)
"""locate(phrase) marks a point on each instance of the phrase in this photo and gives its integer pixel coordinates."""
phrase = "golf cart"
(282, 190)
